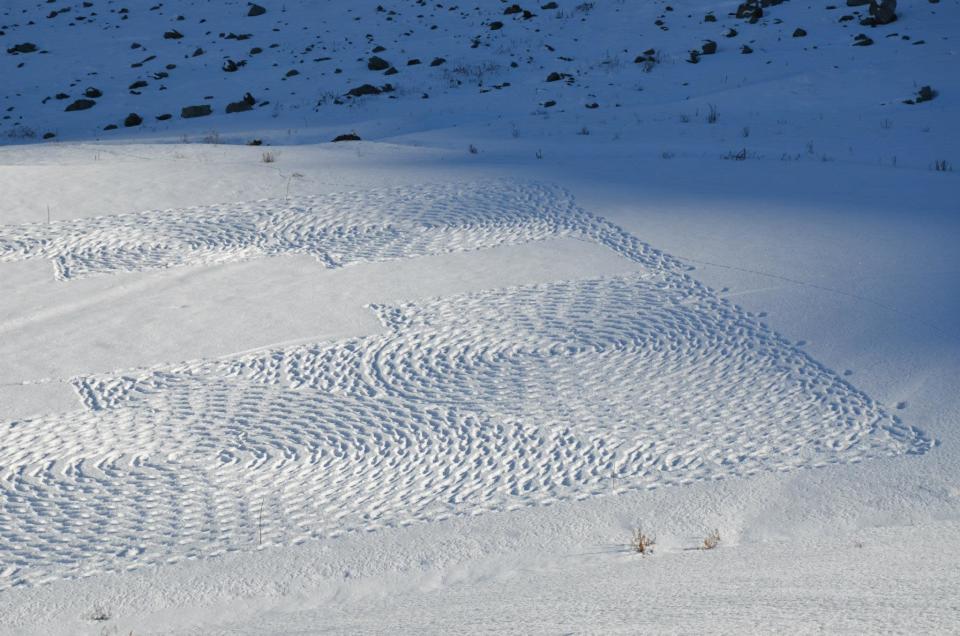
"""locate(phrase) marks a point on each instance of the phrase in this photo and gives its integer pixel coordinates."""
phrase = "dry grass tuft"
(712, 540)
(641, 542)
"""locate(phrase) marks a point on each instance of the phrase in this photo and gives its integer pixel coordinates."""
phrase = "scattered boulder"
(93, 93)
(348, 137)
(132, 120)
(883, 12)
(172, 35)
(437, 61)
(925, 94)
(750, 11)
(189, 112)
(377, 64)
(413, 62)
(709, 47)
(255, 10)
(366, 89)
(49, 135)
(110, 127)
(137, 84)
(80, 104)
(799, 33)
(862, 40)
(245, 104)
(496, 26)
(164, 117)
(26, 47)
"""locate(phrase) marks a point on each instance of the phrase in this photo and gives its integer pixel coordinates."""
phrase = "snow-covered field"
(432, 381)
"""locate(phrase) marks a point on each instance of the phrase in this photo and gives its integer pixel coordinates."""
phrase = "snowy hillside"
(578, 270)
(794, 82)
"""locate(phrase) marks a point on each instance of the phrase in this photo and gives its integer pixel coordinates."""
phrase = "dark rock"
(862, 40)
(413, 62)
(746, 50)
(377, 64)
(883, 12)
(925, 94)
(137, 84)
(247, 103)
(189, 112)
(255, 10)
(799, 33)
(366, 89)
(164, 117)
(172, 35)
(26, 47)
(549, 5)
(709, 47)
(93, 93)
(292, 73)
(496, 26)
(347, 137)
(110, 127)
(80, 104)
(132, 120)
(49, 135)
(437, 61)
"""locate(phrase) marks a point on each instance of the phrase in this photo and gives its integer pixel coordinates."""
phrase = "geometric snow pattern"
(479, 402)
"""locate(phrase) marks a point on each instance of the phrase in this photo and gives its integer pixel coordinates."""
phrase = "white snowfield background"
(590, 267)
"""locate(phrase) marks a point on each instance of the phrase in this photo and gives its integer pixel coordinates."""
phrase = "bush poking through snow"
(98, 613)
(712, 114)
(740, 155)
(942, 165)
(268, 157)
(641, 542)
(711, 541)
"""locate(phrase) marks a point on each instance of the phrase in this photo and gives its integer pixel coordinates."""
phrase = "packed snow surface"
(592, 268)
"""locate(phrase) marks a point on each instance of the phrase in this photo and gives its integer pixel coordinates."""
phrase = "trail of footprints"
(484, 401)
(337, 229)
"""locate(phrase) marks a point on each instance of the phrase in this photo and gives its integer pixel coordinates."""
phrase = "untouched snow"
(402, 386)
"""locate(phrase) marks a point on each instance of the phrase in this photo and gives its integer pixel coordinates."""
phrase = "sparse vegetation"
(942, 165)
(711, 541)
(641, 542)
(98, 613)
(712, 114)
(268, 157)
(738, 155)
